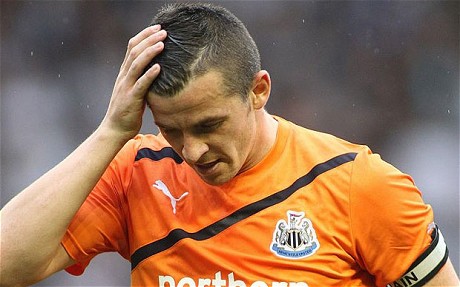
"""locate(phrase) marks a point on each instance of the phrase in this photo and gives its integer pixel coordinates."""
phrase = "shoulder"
(141, 142)
(141, 146)
(316, 146)
(376, 185)
(155, 142)
(389, 219)
(371, 172)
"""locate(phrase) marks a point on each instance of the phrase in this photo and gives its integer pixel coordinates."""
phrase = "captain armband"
(427, 265)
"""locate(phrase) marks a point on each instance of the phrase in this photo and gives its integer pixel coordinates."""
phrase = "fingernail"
(155, 67)
(156, 27)
(158, 45)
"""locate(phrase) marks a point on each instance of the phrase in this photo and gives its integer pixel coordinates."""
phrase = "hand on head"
(127, 105)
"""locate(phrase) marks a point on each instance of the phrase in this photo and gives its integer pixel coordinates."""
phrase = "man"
(227, 194)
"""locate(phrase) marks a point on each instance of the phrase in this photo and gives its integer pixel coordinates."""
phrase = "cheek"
(227, 145)
(241, 139)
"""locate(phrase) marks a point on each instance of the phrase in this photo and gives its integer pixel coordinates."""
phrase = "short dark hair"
(204, 37)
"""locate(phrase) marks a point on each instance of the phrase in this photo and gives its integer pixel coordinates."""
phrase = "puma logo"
(161, 186)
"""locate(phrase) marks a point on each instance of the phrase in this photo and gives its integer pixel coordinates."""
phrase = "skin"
(242, 138)
(218, 135)
(57, 195)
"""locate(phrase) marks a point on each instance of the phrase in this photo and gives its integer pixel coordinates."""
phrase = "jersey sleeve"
(389, 220)
(99, 225)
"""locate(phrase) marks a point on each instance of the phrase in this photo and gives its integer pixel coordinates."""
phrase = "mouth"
(206, 168)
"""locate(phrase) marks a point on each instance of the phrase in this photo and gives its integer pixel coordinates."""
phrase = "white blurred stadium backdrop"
(381, 73)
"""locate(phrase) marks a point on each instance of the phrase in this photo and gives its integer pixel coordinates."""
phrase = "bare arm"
(445, 277)
(33, 223)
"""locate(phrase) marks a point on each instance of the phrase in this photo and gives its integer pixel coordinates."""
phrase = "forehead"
(203, 97)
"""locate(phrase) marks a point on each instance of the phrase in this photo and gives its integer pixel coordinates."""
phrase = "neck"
(265, 137)
(266, 134)
(270, 128)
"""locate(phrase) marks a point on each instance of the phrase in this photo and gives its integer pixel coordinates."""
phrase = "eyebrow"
(199, 123)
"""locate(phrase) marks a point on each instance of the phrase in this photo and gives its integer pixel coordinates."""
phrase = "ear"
(260, 90)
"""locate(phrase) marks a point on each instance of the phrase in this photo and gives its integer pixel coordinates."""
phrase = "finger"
(145, 81)
(142, 46)
(142, 35)
(139, 37)
(138, 66)
(147, 42)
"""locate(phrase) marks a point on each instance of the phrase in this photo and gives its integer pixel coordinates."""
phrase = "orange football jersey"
(316, 211)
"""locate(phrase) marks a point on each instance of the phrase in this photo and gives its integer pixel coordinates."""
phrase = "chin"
(219, 179)
(216, 181)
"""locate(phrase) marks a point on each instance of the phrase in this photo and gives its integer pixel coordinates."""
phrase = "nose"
(193, 148)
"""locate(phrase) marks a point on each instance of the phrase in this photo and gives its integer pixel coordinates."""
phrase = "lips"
(206, 168)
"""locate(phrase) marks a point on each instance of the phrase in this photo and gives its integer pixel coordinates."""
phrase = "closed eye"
(208, 127)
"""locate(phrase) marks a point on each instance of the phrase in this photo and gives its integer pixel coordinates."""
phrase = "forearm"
(34, 222)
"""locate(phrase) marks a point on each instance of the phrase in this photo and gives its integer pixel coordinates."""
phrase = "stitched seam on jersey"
(128, 186)
(121, 196)
(353, 243)
(215, 228)
(125, 194)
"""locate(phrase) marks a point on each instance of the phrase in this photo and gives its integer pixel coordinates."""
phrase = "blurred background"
(385, 74)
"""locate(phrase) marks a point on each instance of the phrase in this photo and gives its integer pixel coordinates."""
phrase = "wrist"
(116, 133)
(112, 138)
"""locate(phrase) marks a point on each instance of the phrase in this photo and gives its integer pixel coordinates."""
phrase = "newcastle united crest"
(295, 238)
